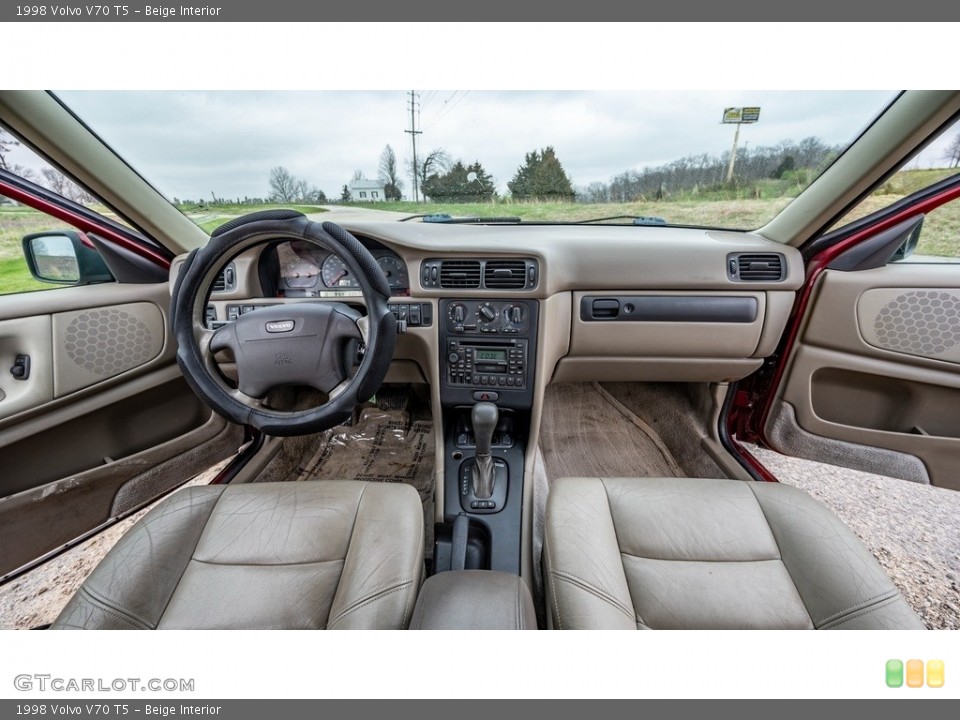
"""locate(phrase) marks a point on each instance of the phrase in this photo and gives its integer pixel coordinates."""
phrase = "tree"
(358, 175)
(345, 194)
(7, 143)
(788, 164)
(435, 162)
(461, 183)
(541, 177)
(952, 153)
(64, 186)
(389, 174)
(285, 187)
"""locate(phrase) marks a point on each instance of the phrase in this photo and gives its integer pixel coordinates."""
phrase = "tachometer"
(336, 274)
(394, 269)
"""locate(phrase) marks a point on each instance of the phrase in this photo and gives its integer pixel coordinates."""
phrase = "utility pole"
(733, 154)
(413, 132)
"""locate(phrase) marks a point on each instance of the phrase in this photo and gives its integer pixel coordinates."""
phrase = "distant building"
(367, 191)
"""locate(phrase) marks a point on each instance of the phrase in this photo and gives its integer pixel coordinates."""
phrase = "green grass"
(212, 215)
(15, 222)
(740, 214)
(718, 207)
(15, 277)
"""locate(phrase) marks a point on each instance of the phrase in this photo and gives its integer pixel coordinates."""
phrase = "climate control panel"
(488, 317)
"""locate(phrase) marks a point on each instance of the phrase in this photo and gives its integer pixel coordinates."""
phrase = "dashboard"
(610, 303)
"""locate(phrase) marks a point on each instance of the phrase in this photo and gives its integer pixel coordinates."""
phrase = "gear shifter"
(484, 419)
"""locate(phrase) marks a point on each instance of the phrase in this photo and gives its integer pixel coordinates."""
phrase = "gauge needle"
(339, 276)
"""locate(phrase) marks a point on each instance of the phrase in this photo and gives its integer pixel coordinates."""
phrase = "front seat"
(295, 555)
(685, 553)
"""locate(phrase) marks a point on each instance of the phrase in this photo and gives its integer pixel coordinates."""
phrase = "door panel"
(877, 369)
(104, 423)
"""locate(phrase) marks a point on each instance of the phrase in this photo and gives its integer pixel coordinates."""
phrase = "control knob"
(487, 312)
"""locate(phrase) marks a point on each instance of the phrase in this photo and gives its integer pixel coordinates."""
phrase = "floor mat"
(586, 432)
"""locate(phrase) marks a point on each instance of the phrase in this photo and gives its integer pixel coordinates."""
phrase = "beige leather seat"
(708, 554)
(307, 555)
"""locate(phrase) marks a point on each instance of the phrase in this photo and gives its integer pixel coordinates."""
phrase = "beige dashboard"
(686, 270)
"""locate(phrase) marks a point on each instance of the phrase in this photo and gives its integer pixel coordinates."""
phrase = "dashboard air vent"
(756, 267)
(460, 274)
(226, 280)
(505, 275)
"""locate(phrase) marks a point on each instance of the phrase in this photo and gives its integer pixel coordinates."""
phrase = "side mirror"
(63, 258)
(909, 243)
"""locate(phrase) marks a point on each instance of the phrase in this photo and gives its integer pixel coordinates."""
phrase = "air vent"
(226, 280)
(460, 274)
(505, 275)
(756, 267)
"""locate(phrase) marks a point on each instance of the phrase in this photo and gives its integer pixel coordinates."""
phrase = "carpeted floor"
(587, 432)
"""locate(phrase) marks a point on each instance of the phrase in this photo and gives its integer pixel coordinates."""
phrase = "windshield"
(727, 159)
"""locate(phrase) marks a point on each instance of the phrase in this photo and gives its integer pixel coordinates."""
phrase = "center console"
(488, 353)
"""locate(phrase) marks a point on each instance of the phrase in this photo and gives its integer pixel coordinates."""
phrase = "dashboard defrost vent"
(756, 267)
(460, 274)
(505, 275)
(226, 280)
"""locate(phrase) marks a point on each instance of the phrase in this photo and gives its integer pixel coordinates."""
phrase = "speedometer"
(394, 269)
(336, 274)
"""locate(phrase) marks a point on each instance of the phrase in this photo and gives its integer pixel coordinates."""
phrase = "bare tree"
(283, 185)
(389, 175)
(358, 175)
(64, 186)
(435, 162)
(952, 153)
(7, 143)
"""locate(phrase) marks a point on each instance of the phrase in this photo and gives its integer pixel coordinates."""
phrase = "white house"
(367, 191)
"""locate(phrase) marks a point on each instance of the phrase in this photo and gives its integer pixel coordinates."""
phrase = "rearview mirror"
(63, 258)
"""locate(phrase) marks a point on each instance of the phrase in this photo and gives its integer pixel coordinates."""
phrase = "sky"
(190, 144)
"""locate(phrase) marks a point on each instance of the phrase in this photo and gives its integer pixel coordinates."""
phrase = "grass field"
(210, 217)
(940, 236)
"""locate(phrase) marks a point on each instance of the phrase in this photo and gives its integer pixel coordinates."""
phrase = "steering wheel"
(305, 343)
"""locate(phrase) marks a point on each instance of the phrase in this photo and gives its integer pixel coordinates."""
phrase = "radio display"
(495, 355)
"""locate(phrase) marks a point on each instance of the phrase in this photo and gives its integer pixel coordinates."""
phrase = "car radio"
(487, 363)
(488, 349)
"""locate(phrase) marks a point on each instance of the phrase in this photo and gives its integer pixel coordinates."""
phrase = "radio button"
(453, 357)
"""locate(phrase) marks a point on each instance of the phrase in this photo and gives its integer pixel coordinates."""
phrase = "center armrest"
(474, 600)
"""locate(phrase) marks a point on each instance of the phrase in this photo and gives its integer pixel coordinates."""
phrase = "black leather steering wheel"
(302, 343)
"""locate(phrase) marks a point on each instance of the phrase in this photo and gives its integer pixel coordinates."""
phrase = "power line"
(447, 107)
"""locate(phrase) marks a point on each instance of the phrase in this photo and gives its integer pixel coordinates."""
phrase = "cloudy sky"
(190, 144)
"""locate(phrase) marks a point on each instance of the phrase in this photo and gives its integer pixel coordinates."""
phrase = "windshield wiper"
(637, 219)
(444, 218)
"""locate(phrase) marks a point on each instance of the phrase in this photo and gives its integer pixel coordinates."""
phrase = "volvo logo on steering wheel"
(280, 326)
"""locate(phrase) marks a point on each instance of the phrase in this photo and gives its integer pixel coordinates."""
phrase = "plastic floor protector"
(382, 445)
